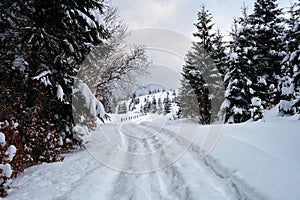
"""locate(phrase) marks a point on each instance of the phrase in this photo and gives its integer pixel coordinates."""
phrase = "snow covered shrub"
(7, 153)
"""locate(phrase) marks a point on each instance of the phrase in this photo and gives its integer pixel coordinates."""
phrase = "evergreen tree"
(154, 105)
(160, 107)
(188, 100)
(290, 72)
(218, 53)
(167, 106)
(268, 46)
(201, 77)
(147, 105)
(42, 42)
(240, 74)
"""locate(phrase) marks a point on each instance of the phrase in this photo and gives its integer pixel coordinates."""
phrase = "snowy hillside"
(151, 87)
(163, 102)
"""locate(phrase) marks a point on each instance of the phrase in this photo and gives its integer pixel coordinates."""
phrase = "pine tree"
(218, 53)
(167, 106)
(290, 72)
(42, 42)
(154, 105)
(216, 75)
(267, 35)
(188, 100)
(160, 106)
(147, 105)
(240, 74)
(201, 77)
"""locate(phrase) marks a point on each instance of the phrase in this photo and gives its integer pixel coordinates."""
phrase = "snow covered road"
(132, 161)
(82, 176)
(176, 181)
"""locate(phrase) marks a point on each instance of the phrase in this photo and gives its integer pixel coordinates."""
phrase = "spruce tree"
(240, 74)
(188, 100)
(154, 105)
(267, 35)
(167, 106)
(201, 77)
(160, 106)
(218, 52)
(42, 44)
(290, 72)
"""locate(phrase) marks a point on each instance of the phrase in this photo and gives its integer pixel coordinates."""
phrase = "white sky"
(180, 15)
(177, 16)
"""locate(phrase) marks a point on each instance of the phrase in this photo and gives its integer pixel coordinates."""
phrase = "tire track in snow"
(193, 155)
(167, 183)
(126, 184)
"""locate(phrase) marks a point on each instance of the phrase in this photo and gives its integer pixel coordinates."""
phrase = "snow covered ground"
(250, 161)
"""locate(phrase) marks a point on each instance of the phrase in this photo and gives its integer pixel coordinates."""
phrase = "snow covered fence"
(132, 117)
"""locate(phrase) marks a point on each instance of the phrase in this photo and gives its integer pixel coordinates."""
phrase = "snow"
(256, 101)
(61, 143)
(6, 170)
(71, 48)
(235, 82)
(249, 82)
(19, 63)
(294, 55)
(227, 93)
(237, 110)
(253, 160)
(144, 90)
(88, 20)
(286, 105)
(91, 102)
(11, 152)
(288, 87)
(97, 16)
(43, 77)
(234, 56)
(258, 160)
(60, 93)
(2, 139)
(266, 160)
(262, 81)
(225, 104)
(42, 74)
(150, 98)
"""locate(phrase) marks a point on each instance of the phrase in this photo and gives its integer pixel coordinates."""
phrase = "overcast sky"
(177, 16)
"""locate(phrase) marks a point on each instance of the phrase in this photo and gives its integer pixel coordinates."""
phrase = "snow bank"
(2, 139)
(257, 160)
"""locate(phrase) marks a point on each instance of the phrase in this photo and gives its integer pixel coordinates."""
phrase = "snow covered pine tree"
(42, 42)
(201, 77)
(240, 75)
(290, 70)
(267, 26)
